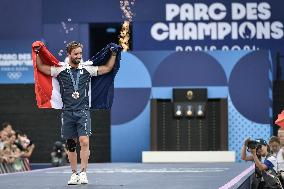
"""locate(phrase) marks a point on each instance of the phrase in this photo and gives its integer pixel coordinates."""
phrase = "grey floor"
(132, 176)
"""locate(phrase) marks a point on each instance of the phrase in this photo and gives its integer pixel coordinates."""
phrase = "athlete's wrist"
(113, 53)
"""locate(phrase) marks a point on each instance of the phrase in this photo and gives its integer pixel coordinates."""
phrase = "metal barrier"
(19, 165)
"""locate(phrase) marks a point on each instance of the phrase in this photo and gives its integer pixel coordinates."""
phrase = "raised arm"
(108, 66)
(40, 66)
(261, 166)
(244, 155)
(28, 151)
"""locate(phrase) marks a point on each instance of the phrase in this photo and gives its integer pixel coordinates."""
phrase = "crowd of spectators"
(14, 145)
(269, 162)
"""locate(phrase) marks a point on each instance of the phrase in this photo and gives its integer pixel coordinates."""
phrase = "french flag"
(47, 88)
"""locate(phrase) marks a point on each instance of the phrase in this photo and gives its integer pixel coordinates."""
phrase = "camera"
(58, 148)
(252, 144)
(58, 155)
(255, 144)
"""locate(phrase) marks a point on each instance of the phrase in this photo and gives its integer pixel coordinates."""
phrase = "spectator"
(3, 139)
(24, 144)
(268, 168)
(14, 148)
(274, 144)
(7, 127)
(257, 179)
(10, 151)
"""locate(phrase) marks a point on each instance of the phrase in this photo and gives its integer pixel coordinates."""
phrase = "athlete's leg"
(72, 154)
(84, 131)
(69, 133)
(84, 155)
(84, 152)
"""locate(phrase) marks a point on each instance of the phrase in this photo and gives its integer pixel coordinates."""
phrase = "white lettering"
(188, 48)
(223, 30)
(155, 31)
(238, 11)
(179, 48)
(176, 31)
(201, 11)
(237, 27)
(207, 30)
(190, 31)
(217, 11)
(187, 11)
(234, 30)
(252, 11)
(172, 10)
(277, 30)
(264, 11)
(24, 56)
(8, 57)
(263, 30)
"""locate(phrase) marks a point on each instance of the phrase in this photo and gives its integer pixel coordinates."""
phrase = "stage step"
(187, 156)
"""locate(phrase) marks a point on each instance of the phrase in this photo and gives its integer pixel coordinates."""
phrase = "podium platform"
(188, 156)
(138, 176)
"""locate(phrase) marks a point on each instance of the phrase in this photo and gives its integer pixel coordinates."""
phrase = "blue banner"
(16, 62)
(210, 25)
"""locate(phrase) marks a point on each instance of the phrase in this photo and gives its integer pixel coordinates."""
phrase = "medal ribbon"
(75, 84)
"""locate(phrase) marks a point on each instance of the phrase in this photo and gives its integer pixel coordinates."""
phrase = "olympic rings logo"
(14, 75)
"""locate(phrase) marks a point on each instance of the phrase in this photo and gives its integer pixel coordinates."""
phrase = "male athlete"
(74, 78)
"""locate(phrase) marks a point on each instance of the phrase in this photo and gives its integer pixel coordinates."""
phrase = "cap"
(261, 141)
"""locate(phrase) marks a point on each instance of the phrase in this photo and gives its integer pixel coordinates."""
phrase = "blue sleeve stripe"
(268, 164)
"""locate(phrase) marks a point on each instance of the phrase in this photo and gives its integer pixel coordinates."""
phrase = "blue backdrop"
(248, 25)
(243, 76)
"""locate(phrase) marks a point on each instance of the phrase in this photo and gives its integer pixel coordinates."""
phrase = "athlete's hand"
(115, 48)
(36, 49)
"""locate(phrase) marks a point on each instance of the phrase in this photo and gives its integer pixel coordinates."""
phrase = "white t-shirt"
(2, 144)
(271, 162)
(280, 160)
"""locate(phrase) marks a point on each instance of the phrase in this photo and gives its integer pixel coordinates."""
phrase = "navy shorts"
(75, 123)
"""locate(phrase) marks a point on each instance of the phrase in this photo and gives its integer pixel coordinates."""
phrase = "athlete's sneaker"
(74, 179)
(83, 178)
